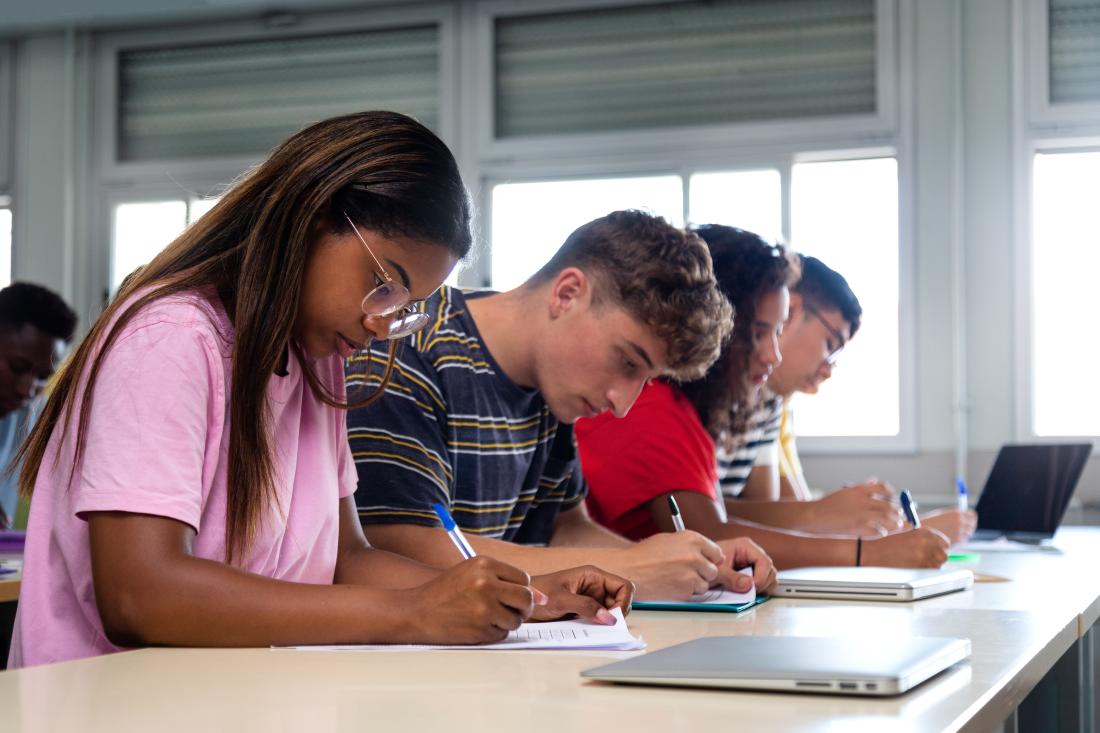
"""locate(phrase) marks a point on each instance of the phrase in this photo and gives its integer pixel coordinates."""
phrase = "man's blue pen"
(962, 498)
(910, 508)
(453, 531)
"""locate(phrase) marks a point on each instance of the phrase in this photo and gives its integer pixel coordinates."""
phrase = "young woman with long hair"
(191, 476)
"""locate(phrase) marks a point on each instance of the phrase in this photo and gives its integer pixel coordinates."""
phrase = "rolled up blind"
(1074, 51)
(677, 64)
(242, 98)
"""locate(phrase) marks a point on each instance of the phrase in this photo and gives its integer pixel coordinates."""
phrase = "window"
(142, 229)
(845, 213)
(211, 100)
(656, 65)
(531, 220)
(1065, 257)
(1059, 249)
(751, 200)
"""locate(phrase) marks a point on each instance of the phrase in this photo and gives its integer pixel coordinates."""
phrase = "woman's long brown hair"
(388, 172)
(746, 268)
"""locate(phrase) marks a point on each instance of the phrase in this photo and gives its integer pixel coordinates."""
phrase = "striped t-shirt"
(453, 428)
(757, 446)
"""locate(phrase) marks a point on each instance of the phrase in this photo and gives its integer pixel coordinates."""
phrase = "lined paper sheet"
(549, 635)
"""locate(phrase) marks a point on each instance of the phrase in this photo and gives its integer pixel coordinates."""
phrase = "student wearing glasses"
(191, 478)
(824, 316)
(667, 445)
(480, 409)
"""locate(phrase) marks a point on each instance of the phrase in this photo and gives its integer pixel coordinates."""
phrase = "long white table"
(1020, 633)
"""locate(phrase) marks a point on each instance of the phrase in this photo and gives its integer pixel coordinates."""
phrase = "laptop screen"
(1030, 486)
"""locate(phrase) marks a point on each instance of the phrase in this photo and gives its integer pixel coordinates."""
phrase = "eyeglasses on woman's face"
(390, 299)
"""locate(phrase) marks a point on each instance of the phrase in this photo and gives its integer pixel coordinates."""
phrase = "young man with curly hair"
(497, 379)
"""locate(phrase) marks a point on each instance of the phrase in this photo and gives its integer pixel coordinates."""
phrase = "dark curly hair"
(747, 268)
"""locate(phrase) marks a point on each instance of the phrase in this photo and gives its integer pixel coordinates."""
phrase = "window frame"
(1038, 127)
(738, 146)
(881, 124)
(7, 118)
(138, 181)
(111, 44)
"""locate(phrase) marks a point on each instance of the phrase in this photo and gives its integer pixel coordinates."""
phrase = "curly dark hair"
(747, 268)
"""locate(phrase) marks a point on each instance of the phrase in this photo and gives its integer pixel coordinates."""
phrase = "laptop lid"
(871, 583)
(799, 664)
(1029, 488)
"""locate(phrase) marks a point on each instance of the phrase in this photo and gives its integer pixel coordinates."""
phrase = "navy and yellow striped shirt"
(452, 427)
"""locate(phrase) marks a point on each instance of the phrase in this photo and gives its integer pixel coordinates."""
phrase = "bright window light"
(750, 200)
(5, 247)
(1065, 257)
(845, 213)
(141, 230)
(199, 207)
(532, 220)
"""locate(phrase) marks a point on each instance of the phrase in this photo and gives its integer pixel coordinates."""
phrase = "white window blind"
(241, 99)
(677, 64)
(1074, 51)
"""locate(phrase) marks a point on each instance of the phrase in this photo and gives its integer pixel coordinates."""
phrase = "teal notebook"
(698, 605)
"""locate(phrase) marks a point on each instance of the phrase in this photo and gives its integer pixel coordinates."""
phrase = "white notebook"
(547, 635)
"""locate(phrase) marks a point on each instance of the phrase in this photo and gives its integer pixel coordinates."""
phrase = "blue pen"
(910, 508)
(962, 499)
(454, 532)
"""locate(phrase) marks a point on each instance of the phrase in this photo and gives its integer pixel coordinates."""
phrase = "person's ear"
(569, 290)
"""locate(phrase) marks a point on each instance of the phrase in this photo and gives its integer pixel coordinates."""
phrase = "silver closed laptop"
(792, 663)
(870, 584)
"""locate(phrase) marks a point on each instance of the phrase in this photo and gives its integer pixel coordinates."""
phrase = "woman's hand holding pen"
(479, 600)
(586, 592)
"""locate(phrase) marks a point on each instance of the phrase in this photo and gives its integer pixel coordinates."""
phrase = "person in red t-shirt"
(666, 445)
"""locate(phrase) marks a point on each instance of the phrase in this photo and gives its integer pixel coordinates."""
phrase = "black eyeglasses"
(838, 337)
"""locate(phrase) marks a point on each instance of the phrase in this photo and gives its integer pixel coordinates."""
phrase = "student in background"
(667, 444)
(824, 316)
(191, 475)
(479, 413)
(35, 326)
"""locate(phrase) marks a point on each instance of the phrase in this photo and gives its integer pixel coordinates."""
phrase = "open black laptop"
(1028, 490)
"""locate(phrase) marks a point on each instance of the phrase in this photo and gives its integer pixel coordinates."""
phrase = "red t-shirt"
(661, 446)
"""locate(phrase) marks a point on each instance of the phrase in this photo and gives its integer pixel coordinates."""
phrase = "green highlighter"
(962, 557)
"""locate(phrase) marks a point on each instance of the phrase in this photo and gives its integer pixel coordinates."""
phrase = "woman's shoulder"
(196, 315)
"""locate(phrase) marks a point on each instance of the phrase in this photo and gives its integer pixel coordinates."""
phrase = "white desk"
(262, 689)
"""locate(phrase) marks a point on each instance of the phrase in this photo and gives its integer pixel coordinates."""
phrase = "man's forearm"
(542, 560)
(791, 548)
(781, 514)
(581, 531)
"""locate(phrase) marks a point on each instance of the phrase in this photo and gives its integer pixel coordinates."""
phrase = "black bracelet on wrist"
(859, 551)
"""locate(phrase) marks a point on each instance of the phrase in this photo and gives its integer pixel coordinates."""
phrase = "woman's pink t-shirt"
(157, 443)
